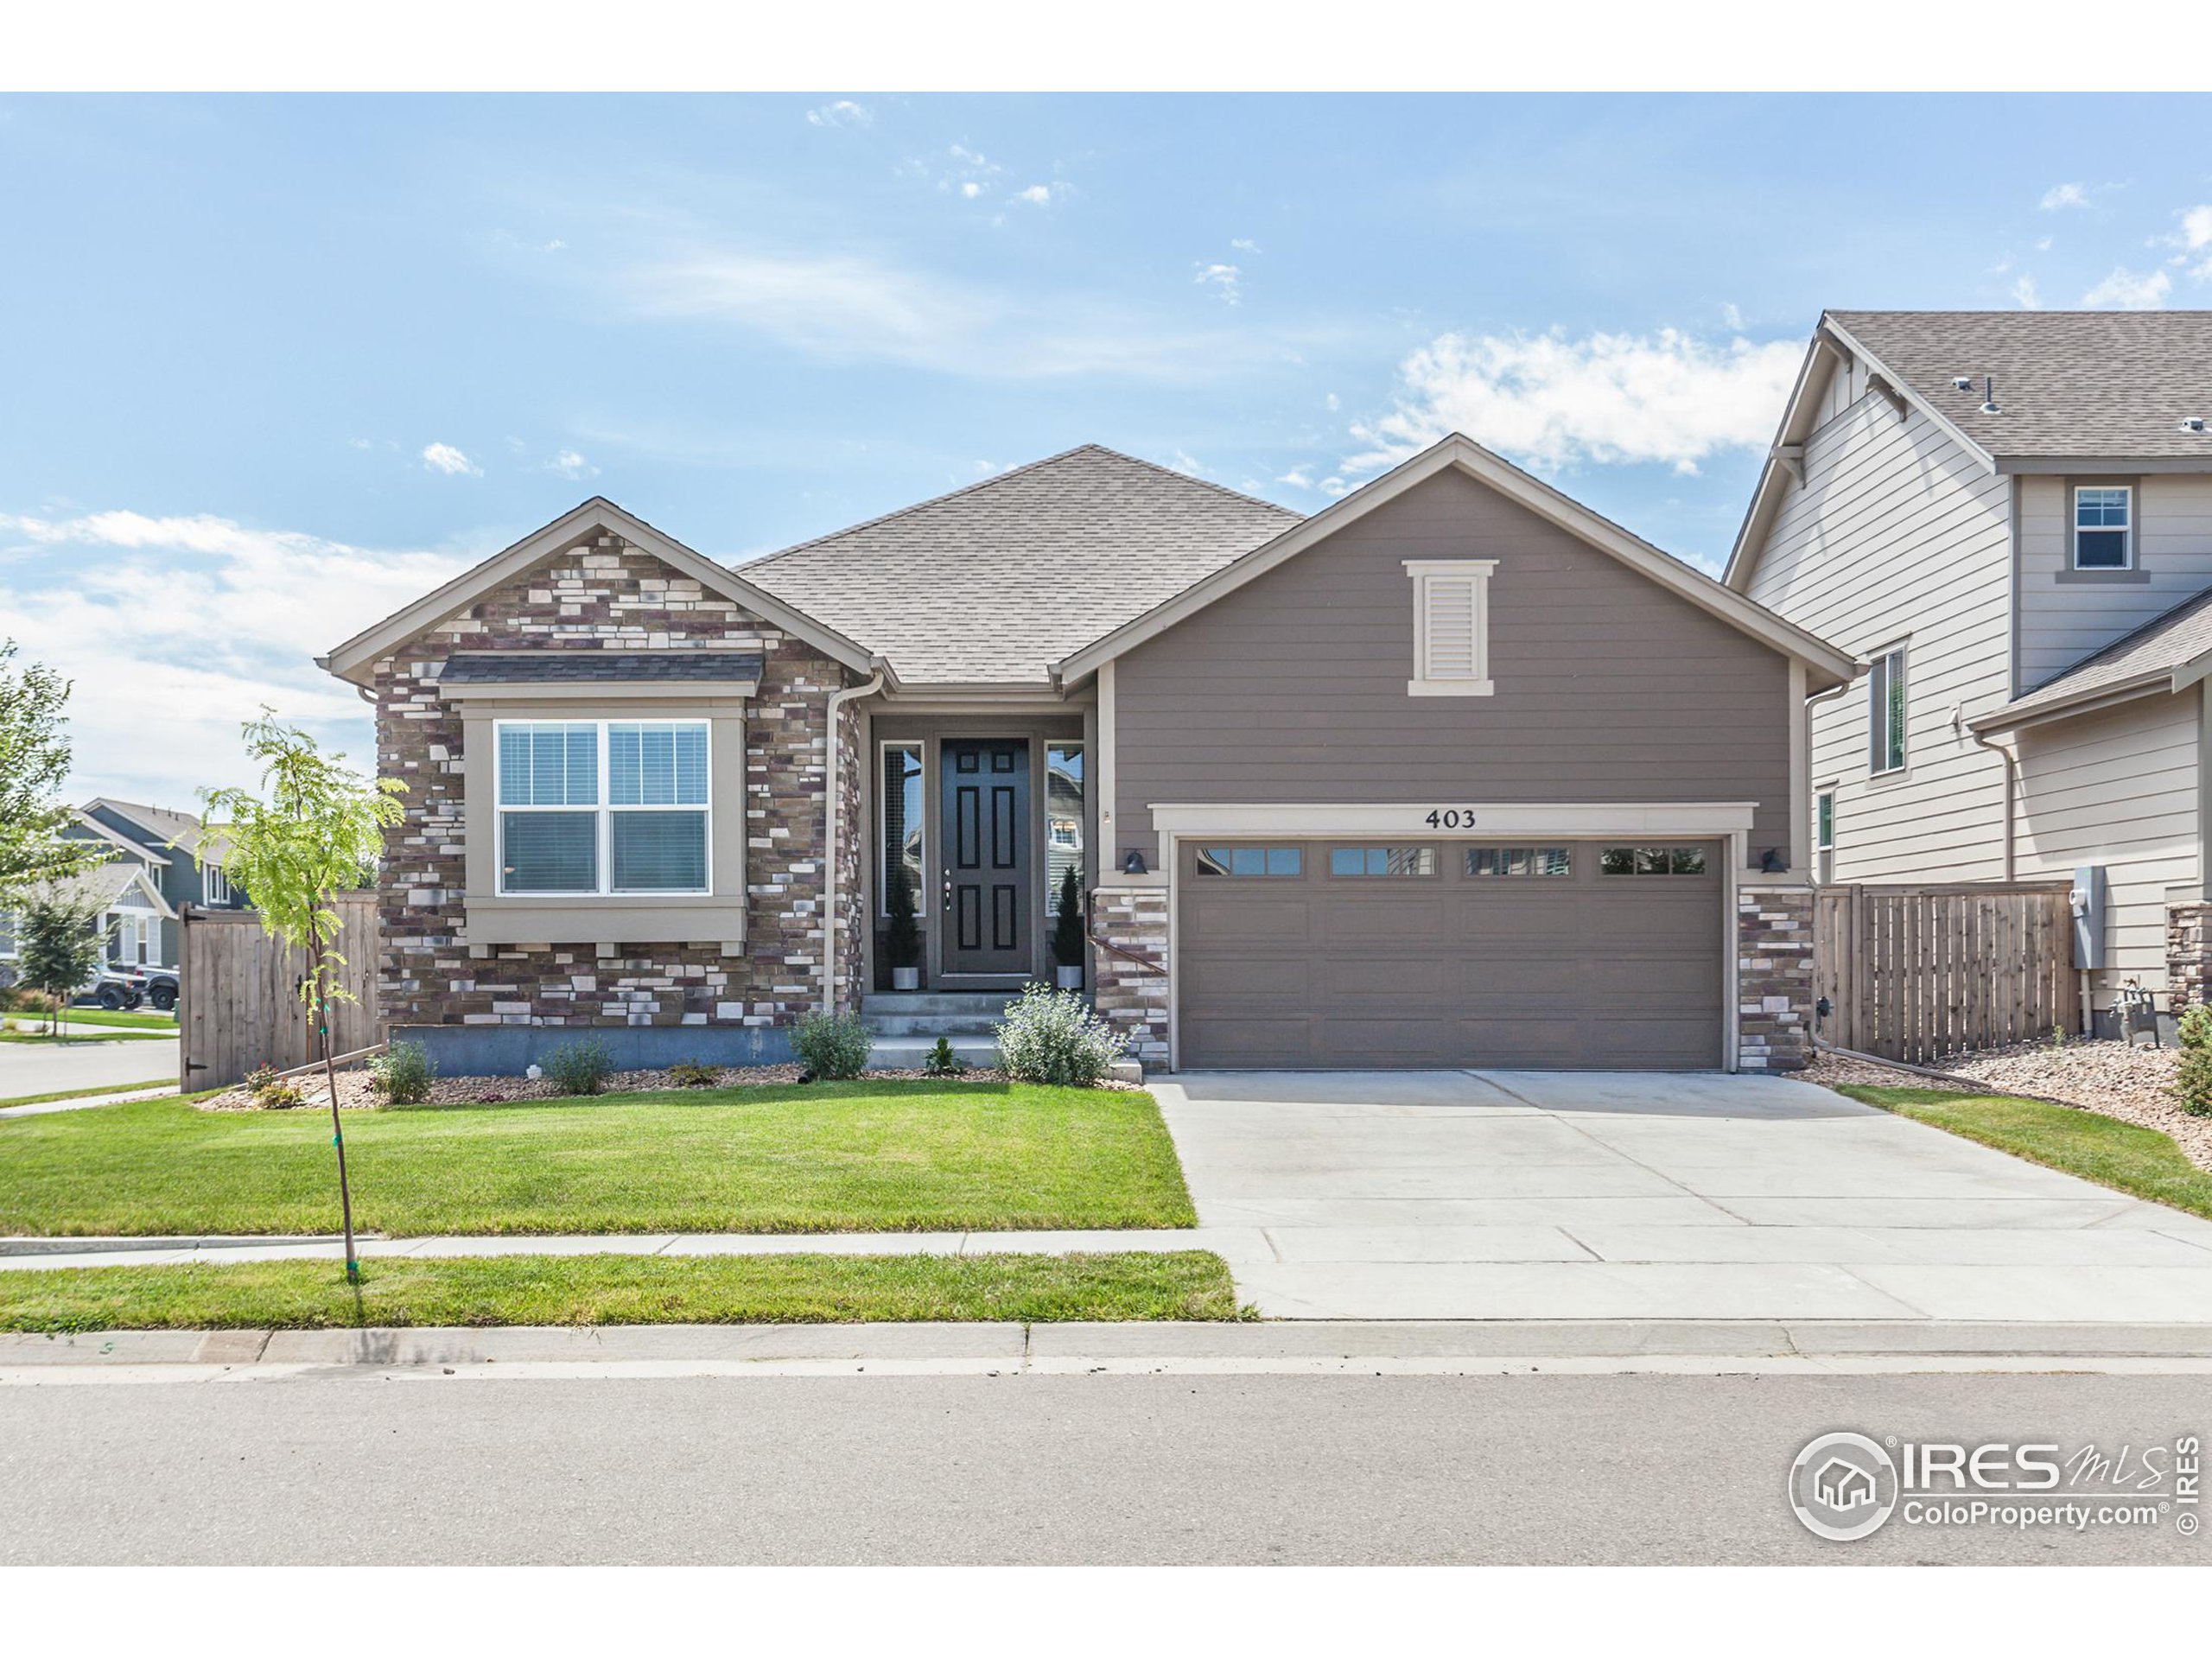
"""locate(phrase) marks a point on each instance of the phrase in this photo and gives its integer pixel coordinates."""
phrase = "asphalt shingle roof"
(171, 830)
(2160, 646)
(599, 667)
(989, 584)
(2093, 384)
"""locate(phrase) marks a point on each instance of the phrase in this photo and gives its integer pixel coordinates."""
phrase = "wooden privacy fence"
(239, 1003)
(1914, 973)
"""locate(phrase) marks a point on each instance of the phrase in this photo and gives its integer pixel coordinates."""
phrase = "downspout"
(2012, 788)
(831, 798)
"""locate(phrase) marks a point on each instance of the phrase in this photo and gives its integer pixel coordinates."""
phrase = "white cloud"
(2063, 195)
(1222, 279)
(842, 112)
(2023, 290)
(971, 190)
(1550, 401)
(444, 458)
(177, 629)
(1039, 195)
(1184, 463)
(2196, 227)
(1244, 244)
(1297, 478)
(2043, 244)
(1732, 318)
(1330, 402)
(2128, 291)
(569, 464)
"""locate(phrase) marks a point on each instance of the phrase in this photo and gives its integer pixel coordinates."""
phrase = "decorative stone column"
(1132, 995)
(1774, 978)
(2189, 953)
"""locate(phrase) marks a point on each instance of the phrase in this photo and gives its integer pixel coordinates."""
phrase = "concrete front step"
(907, 1054)
(981, 1004)
(930, 1025)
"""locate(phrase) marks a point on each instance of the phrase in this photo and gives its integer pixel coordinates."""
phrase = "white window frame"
(603, 810)
(1426, 574)
(921, 750)
(217, 882)
(2074, 529)
(1879, 679)
(1824, 835)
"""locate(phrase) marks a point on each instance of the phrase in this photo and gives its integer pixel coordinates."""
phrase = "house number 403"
(1451, 817)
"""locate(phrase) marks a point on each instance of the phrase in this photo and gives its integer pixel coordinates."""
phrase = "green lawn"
(620, 1290)
(832, 1157)
(2129, 1158)
(86, 1094)
(80, 1038)
(164, 1023)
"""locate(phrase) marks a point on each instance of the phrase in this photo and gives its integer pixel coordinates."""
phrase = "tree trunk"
(319, 971)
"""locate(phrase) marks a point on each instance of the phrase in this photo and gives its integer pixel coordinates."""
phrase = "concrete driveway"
(1516, 1195)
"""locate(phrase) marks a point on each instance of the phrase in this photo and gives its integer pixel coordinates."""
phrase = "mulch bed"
(2114, 1079)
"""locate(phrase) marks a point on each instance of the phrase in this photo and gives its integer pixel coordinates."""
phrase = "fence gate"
(1914, 973)
(239, 993)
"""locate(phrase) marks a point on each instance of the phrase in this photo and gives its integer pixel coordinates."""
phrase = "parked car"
(161, 987)
(125, 985)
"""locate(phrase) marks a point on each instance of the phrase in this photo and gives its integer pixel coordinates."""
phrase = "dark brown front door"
(986, 856)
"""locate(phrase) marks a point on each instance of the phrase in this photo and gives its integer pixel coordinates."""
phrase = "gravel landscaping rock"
(356, 1093)
(2131, 1083)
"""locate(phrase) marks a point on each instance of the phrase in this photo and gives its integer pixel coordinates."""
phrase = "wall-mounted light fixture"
(1133, 862)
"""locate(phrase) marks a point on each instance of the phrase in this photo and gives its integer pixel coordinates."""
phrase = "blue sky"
(275, 366)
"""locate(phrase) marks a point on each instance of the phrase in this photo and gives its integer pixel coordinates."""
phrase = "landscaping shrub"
(1052, 1036)
(403, 1076)
(2192, 1084)
(833, 1046)
(2196, 1027)
(690, 1074)
(942, 1062)
(578, 1068)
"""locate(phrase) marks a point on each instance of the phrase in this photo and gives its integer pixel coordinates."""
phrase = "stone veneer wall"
(605, 594)
(2189, 953)
(1128, 997)
(1774, 978)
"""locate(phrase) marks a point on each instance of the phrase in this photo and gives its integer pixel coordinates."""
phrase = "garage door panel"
(1453, 969)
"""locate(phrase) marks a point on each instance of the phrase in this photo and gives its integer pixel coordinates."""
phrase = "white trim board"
(1479, 821)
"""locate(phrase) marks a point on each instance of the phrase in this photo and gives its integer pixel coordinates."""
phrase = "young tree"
(33, 762)
(320, 824)
(60, 943)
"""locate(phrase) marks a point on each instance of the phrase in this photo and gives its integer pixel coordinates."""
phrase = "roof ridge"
(2015, 314)
(2135, 635)
(1001, 478)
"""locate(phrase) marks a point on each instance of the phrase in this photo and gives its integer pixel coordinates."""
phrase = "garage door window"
(1652, 860)
(1382, 861)
(1520, 861)
(1250, 860)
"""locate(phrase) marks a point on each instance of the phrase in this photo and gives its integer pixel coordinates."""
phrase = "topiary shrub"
(2196, 1027)
(578, 1068)
(402, 1075)
(833, 1044)
(1052, 1036)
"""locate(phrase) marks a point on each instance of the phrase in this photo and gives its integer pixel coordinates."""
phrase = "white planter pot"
(1068, 979)
(905, 979)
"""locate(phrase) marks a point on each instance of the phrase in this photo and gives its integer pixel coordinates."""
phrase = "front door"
(985, 783)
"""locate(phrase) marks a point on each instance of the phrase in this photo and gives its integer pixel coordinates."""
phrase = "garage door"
(1540, 954)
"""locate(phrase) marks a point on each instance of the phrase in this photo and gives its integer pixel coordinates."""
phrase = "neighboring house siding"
(2066, 615)
(1292, 689)
(1898, 536)
(2118, 789)
(604, 594)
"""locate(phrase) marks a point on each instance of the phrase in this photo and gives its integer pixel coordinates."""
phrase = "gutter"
(832, 795)
(2012, 789)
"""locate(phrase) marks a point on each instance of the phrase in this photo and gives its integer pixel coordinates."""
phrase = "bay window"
(588, 807)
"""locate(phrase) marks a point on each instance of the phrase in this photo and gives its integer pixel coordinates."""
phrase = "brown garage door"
(1337, 954)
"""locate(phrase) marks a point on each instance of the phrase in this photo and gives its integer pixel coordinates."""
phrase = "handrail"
(1145, 962)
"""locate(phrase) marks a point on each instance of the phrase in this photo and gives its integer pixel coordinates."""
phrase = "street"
(356, 1467)
(47, 1068)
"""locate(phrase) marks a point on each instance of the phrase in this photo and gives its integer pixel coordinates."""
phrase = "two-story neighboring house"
(2007, 516)
(166, 845)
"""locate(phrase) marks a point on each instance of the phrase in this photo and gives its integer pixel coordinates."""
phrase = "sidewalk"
(1309, 1348)
(154, 1091)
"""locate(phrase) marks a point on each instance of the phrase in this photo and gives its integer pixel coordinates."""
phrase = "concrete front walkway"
(1565, 1196)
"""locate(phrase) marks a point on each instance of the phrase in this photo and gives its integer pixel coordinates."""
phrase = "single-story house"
(1452, 772)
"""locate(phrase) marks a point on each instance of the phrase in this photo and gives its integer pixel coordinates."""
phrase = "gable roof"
(353, 660)
(1829, 666)
(115, 837)
(2111, 386)
(165, 828)
(2170, 652)
(107, 884)
(992, 583)
(2085, 390)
